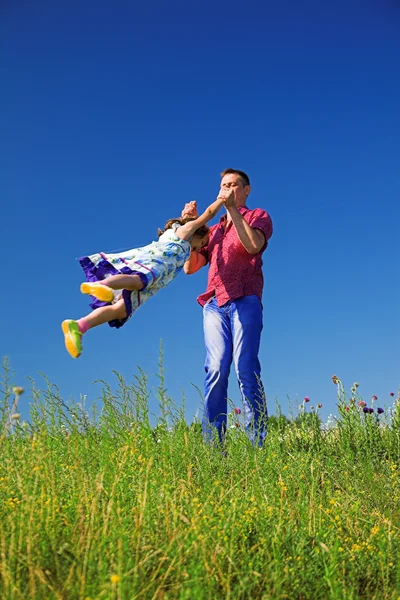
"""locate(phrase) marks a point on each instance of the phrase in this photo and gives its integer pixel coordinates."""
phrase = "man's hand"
(228, 196)
(190, 210)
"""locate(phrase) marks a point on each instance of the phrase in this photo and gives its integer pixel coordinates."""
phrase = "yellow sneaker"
(72, 337)
(98, 290)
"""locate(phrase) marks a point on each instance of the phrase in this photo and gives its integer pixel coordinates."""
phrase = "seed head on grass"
(17, 390)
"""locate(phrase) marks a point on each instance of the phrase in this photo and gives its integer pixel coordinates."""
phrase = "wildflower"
(335, 379)
(17, 390)
(356, 385)
(366, 410)
(362, 404)
(319, 405)
(374, 398)
(391, 394)
(306, 399)
(370, 410)
(237, 424)
(237, 411)
(380, 410)
(115, 579)
(16, 416)
(347, 408)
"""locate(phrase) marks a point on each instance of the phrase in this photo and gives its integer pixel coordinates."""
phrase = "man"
(232, 308)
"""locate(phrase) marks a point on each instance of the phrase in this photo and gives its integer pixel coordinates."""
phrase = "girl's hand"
(190, 210)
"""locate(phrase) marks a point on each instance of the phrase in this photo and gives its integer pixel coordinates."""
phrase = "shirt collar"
(242, 209)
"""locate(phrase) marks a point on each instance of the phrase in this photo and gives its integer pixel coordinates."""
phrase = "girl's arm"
(186, 231)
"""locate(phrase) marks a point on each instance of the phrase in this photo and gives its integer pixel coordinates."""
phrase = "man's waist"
(224, 295)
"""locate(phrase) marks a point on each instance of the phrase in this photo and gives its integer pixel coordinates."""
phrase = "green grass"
(112, 507)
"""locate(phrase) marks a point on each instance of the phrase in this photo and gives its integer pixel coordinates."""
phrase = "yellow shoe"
(98, 290)
(72, 337)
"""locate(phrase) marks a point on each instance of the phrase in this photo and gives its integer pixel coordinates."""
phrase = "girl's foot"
(72, 337)
(98, 290)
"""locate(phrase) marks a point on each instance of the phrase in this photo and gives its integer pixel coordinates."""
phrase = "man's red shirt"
(234, 272)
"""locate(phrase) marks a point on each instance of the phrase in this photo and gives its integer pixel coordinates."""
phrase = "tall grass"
(105, 505)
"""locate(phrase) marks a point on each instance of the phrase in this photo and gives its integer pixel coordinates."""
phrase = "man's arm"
(195, 260)
(251, 239)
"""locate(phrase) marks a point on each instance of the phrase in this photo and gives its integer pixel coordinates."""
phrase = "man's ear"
(247, 189)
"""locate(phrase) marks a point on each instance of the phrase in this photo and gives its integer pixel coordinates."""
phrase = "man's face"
(234, 182)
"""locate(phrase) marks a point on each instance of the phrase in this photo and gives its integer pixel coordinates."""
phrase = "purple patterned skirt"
(103, 269)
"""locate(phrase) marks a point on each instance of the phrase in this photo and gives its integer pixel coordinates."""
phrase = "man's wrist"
(233, 210)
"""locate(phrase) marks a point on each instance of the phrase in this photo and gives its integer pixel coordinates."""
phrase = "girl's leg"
(73, 330)
(104, 314)
(124, 282)
(102, 290)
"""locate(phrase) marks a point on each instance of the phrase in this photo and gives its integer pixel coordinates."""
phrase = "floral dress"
(157, 264)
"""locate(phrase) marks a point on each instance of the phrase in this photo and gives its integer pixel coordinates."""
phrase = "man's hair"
(243, 176)
(201, 231)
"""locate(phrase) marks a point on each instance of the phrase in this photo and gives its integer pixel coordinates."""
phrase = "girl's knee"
(119, 309)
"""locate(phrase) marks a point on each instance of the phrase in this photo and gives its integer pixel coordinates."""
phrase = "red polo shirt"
(233, 271)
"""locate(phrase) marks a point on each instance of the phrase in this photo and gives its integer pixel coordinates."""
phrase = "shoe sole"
(99, 291)
(69, 342)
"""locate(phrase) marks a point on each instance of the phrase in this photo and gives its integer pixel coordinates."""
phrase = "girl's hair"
(201, 231)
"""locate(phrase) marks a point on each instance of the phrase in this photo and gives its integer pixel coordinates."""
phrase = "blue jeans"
(233, 332)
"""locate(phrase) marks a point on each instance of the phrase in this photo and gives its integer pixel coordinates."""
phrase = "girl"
(120, 283)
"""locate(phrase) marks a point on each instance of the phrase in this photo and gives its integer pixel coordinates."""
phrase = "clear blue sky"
(114, 114)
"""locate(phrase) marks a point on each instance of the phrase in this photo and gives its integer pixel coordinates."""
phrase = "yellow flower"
(374, 530)
(115, 579)
(18, 390)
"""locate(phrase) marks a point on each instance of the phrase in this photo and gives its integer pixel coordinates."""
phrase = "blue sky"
(113, 115)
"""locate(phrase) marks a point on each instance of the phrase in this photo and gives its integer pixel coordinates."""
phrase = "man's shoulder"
(250, 213)
(253, 209)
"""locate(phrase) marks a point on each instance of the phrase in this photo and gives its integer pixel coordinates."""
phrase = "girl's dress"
(157, 264)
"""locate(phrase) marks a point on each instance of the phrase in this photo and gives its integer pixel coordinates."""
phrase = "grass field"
(108, 506)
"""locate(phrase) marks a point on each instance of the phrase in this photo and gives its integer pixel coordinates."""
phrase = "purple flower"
(370, 410)
(362, 404)
(374, 398)
(319, 405)
(237, 411)
(391, 394)
(380, 410)
(306, 399)
(366, 409)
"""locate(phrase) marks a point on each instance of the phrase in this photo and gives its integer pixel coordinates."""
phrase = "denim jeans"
(232, 332)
